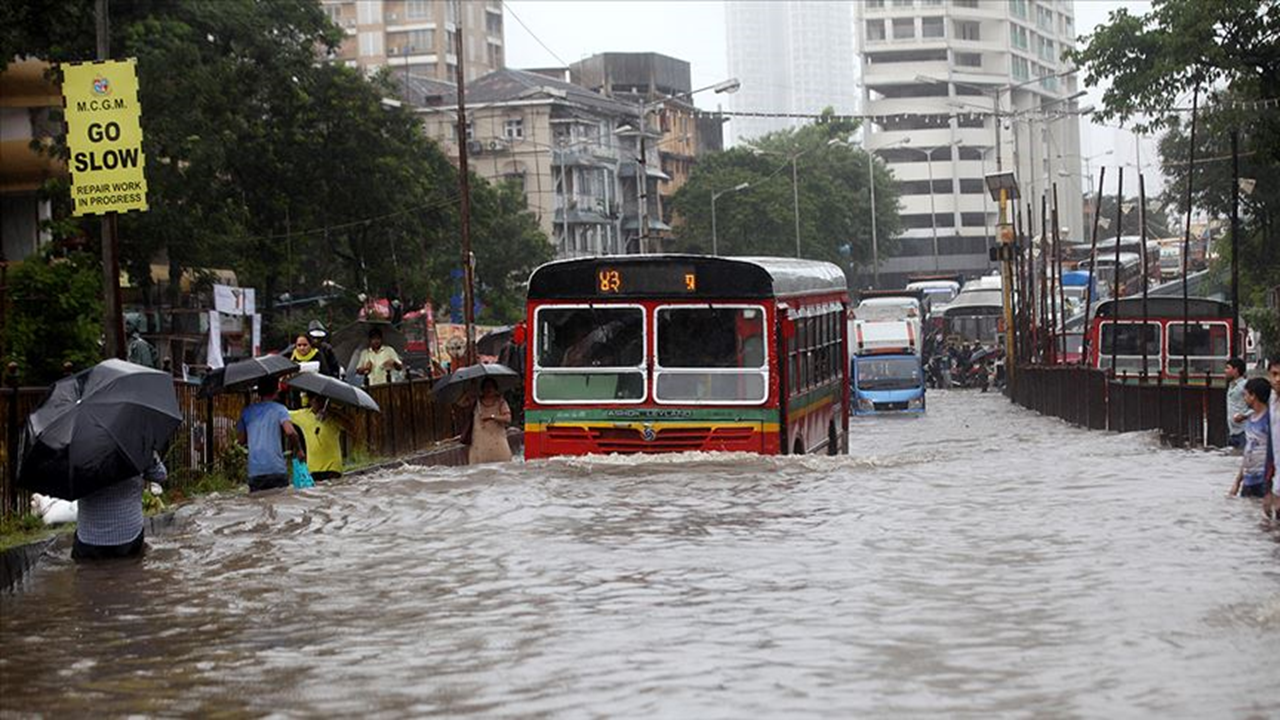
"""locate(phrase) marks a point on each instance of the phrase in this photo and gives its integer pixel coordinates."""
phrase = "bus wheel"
(799, 448)
(833, 440)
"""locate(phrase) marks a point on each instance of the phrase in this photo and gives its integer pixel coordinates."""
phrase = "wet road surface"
(979, 561)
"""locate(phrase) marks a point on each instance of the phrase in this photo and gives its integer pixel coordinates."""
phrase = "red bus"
(675, 353)
(1206, 339)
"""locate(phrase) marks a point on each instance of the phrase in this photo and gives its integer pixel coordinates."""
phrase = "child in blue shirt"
(1253, 480)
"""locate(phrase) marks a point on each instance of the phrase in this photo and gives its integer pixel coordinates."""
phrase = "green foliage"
(20, 529)
(831, 184)
(1229, 49)
(290, 171)
(56, 304)
(508, 244)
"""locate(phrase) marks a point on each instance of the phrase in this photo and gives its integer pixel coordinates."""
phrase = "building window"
(493, 24)
(875, 30)
(1021, 70)
(904, 28)
(1044, 19)
(369, 13)
(332, 12)
(932, 27)
(1019, 8)
(973, 60)
(493, 53)
(1046, 50)
(513, 128)
(903, 3)
(417, 9)
(412, 43)
(967, 30)
(972, 186)
(451, 43)
(452, 11)
(931, 3)
(370, 44)
(972, 219)
(875, 4)
(973, 4)
(1018, 36)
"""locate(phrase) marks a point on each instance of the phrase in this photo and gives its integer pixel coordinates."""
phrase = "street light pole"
(795, 200)
(875, 245)
(715, 246)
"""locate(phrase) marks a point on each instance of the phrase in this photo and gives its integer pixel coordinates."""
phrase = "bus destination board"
(646, 280)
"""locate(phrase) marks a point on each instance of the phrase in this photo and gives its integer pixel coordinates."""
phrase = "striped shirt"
(113, 515)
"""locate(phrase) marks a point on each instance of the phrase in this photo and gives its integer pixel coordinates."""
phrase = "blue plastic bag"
(301, 475)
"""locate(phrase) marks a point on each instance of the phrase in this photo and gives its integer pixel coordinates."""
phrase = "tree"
(56, 306)
(266, 160)
(1158, 221)
(834, 202)
(1230, 51)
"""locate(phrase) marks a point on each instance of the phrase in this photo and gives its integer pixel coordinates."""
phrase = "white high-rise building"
(934, 74)
(792, 57)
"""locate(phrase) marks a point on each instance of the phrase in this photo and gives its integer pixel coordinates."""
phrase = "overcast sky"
(693, 30)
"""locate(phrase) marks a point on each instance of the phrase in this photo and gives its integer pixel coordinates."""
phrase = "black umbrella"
(449, 387)
(97, 428)
(491, 342)
(244, 374)
(334, 389)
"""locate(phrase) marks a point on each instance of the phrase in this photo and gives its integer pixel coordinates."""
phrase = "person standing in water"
(490, 417)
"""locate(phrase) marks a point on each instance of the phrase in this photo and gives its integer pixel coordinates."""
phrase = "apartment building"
(664, 84)
(792, 57)
(418, 36)
(574, 151)
(938, 76)
(27, 98)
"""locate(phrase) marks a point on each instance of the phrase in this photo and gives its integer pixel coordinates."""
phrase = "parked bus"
(1207, 336)
(975, 315)
(1120, 283)
(672, 353)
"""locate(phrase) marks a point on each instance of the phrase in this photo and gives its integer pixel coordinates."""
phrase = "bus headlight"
(866, 404)
(915, 403)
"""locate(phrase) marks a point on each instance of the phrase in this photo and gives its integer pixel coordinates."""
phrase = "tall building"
(419, 35)
(937, 75)
(792, 57)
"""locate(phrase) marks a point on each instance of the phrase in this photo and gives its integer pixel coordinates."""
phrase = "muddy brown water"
(979, 561)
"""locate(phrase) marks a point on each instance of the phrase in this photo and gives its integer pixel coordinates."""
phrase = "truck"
(887, 369)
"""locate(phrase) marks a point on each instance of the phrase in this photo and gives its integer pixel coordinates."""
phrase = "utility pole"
(464, 189)
(642, 185)
(875, 244)
(112, 314)
(795, 200)
(1235, 242)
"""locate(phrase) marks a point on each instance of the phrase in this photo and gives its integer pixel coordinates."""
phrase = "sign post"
(104, 136)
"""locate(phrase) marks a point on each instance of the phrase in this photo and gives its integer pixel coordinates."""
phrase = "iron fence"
(1187, 414)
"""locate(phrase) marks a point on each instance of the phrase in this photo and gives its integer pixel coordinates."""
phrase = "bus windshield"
(888, 373)
(711, 353)
(589, 354)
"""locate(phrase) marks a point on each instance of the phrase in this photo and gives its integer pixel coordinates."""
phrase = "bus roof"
(712, 277)
(1164, 306)
(968, 300)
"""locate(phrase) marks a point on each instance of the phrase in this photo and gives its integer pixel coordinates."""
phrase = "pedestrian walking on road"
(490, 417)
(109, 523)
(322, 434)
(1237, 409)
(1271, 503)
(1257, 465)
(259, 428)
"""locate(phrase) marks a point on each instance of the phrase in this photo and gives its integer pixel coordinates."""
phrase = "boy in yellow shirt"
(322, 431)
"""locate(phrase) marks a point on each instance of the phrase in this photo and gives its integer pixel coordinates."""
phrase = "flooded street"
(981, 560)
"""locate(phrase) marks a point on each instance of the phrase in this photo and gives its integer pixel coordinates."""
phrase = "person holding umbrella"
(259, 429)
(110, 522)
(96, 439)
(321, 430)
(490, 416)
(378, 361)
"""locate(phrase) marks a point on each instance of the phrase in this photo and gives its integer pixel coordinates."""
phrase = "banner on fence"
(215, 340)
(234, 300)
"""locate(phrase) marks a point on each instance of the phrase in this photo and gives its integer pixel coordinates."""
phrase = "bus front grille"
(659, 440)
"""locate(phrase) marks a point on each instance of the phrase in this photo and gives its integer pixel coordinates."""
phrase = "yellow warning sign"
(104, 134)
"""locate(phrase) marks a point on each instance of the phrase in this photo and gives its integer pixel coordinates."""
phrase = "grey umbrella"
(448, 388)
(244, 374)
(96, 428)
(334, 389)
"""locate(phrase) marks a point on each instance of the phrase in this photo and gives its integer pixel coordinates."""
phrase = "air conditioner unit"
(475, 147)
(498, 145)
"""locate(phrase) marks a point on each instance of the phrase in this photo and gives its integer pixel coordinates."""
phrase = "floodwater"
(979, 561)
